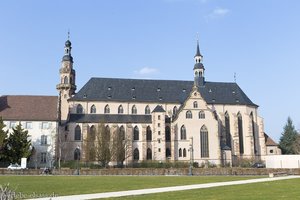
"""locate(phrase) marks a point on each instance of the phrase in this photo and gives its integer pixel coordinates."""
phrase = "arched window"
(180, 152)
(241, 135)
(136, 133)
(92, 135)
(204, 142)
(93, 109)
(184, 152)
(195, 104)
(77, 135)
(122, 132)
(65, 80)
(174, 110)
(182, 133)
(227, 129)
(168, 152)
(147, 110)
(79, 109)
(120, 109)
(253, 133)
(168, 134)
(148, 134)
(149, 154)
(133, 110)
(188, 114)
(136, 154)
(106, 109)
(201, 114)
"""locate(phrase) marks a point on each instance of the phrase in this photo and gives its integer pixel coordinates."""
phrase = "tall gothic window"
(136, 154)
(136, 133)
(148, 134)
(168, 152)
(204, 142)
(79, 109)
(93, 109)
(106, 109)
(195, 104)
(149, 154)
(227, 129)
(120, 109)
(241, 135)
(180, 152)
(122, 132)
(182, 133)
(253, 133)
(201, 114)
(188, 114)
(133, 110)
(77, 135)
(147, 110)
(184, 152)
(168, 134)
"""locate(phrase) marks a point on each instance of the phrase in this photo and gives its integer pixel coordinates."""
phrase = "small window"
(133, 110)
(158, 132)
(158, 117)
(106, 109)
(28, 125)
(147, 110)
(44, 140)
(79, 109)
(195, 104)
(93, 109)
(174, 110)
(43, 157)
(13, 124)
(271, 151)
(158, 124)
(120, 109)
(201, 114)
(159, 150)
(183, 133)
(180, 152)
(189, 114)
(45, 125)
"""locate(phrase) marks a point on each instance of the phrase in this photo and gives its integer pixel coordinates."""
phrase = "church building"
(199, 120)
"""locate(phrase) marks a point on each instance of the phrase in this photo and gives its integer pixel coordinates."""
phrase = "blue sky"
(257, 40)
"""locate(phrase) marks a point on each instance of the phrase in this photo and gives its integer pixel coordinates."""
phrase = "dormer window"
(195, 104)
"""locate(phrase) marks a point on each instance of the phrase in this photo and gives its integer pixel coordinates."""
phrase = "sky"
(156, 39)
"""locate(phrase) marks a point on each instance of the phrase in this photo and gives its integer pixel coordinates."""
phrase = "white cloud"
(146, 71)
(218, 13)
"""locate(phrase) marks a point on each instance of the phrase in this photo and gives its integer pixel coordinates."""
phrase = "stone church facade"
(199, 120)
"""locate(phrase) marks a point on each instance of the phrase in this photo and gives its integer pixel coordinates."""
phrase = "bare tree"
(103, 144)
(89, 145)
(121, 146)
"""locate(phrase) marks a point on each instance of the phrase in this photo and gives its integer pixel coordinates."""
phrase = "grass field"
(285, 189)
(68, 185)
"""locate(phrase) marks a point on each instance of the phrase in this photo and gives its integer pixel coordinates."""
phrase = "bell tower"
(199, 69)
(67, 86)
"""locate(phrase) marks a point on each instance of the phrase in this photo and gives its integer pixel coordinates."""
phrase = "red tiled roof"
(269, 141)
(35, 108)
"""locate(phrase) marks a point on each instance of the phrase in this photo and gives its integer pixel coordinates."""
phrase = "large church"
(199, 120)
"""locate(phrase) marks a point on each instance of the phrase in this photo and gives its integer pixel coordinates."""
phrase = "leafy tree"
(3, 139)
(18, 145)
(288, 138)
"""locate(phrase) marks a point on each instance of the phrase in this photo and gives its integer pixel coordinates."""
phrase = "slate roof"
(29, 108)
(159, 91)
(158, 108)
(109, 118)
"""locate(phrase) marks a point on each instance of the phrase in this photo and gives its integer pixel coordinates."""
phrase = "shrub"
(6, 193)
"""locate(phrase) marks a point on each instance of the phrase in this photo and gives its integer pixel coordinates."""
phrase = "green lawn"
(68, 185)
(285, 189)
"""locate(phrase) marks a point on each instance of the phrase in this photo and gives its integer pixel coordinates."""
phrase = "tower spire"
(198, 68)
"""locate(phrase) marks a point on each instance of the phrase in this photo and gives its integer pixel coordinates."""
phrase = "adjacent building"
(38, 115)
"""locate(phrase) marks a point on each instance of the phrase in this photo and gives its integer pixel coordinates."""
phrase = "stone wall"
(159, 171)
